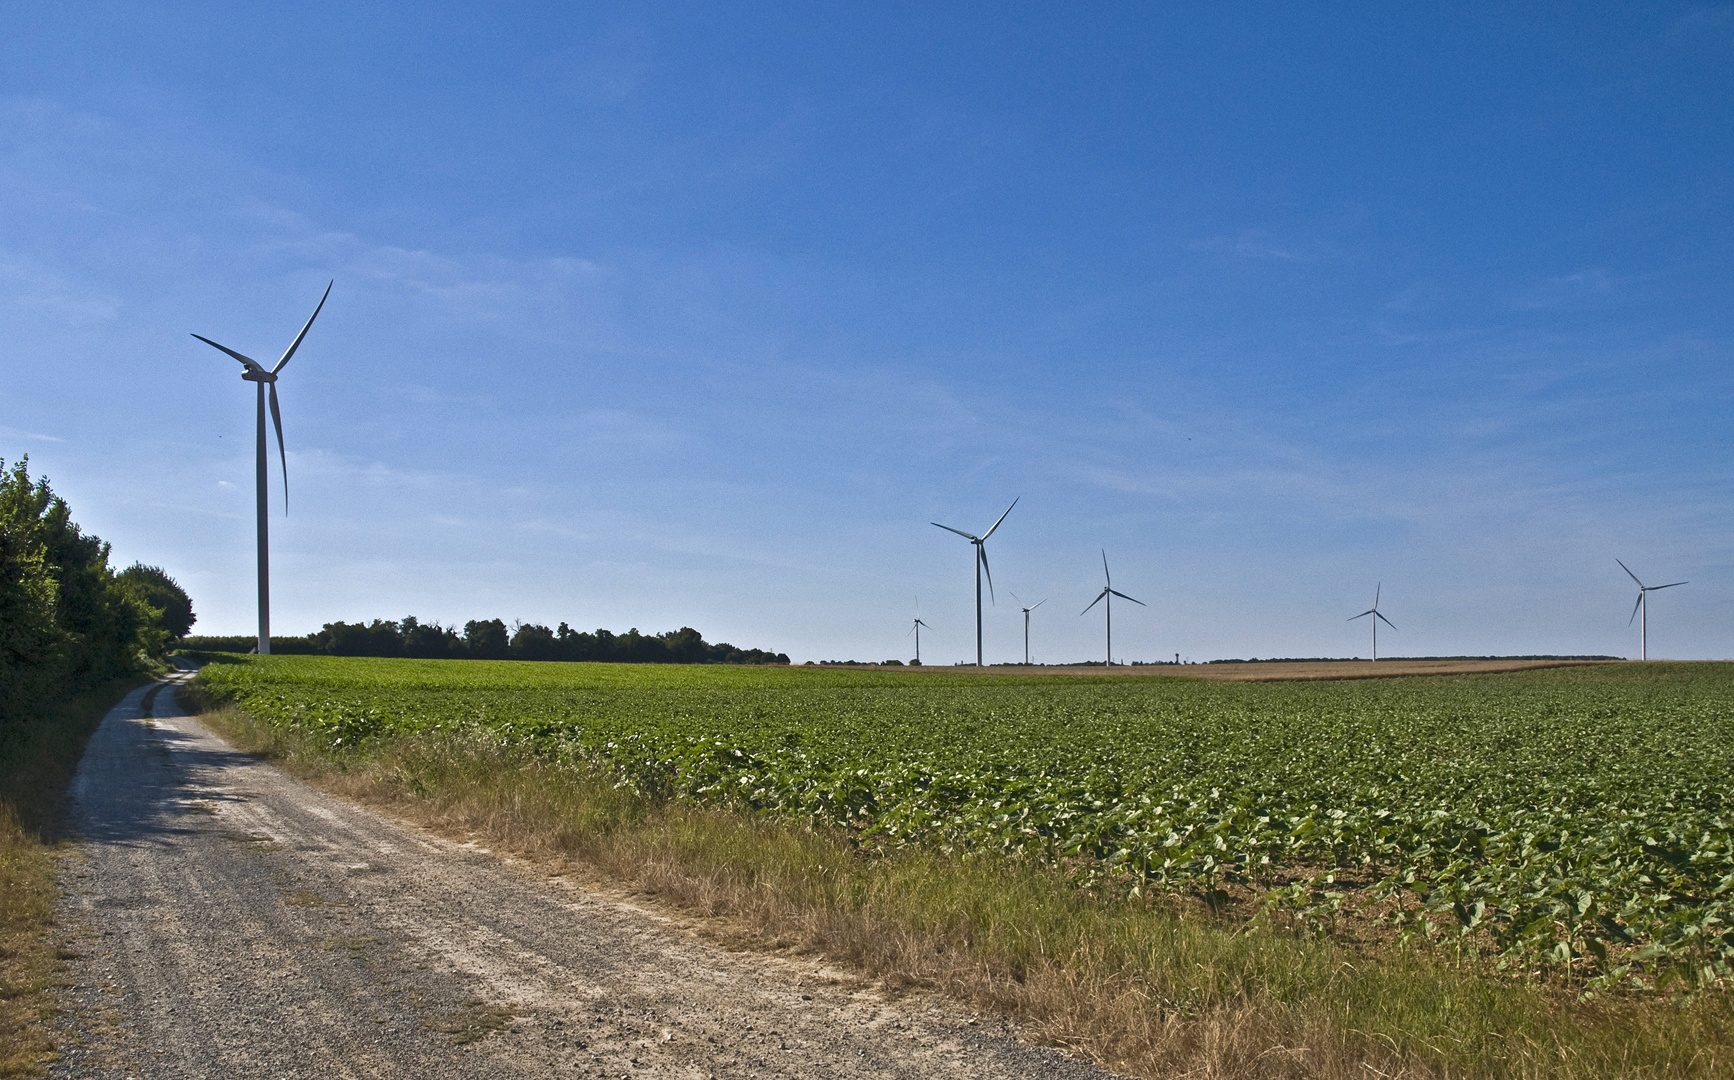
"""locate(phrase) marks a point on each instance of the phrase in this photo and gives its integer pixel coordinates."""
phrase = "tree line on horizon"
(491, 639)
(68, 620)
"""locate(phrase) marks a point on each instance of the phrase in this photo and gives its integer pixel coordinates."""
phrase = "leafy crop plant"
(1573, 822)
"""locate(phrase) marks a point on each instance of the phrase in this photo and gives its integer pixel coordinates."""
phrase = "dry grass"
(1147, 990)
(26, 955)
(37, 759)
(1310, 670)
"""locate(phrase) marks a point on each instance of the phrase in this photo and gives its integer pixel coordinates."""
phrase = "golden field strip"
(1257, 670)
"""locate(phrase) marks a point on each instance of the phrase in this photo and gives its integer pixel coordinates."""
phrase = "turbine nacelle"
(255, 372)
(1108, 589)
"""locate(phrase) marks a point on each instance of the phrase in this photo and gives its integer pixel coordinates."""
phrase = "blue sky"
(698, 314)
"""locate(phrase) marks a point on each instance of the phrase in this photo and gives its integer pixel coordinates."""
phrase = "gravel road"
(225, 920)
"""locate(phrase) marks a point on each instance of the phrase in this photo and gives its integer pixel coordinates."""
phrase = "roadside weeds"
(37, 760)
(1142, 988)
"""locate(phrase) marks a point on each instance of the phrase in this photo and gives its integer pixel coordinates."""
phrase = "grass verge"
(37, 760)
(1143, 988)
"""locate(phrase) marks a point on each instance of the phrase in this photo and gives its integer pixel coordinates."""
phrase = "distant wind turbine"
(256, 373)
(1643, 607)
(1377, 618)
(1108, 593)
(916, 630)
(980, 543)
(1027, 611)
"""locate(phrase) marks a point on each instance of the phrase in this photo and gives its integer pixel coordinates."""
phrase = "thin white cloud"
(29, 290)
(1567, 290)
(15, 433)
(1249, 244)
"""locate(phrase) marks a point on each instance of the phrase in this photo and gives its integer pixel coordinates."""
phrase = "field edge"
(1098, 978)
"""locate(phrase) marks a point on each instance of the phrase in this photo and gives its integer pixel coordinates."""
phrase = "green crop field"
(1570, 821)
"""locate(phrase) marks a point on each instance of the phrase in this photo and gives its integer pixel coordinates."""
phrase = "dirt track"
(225, 920)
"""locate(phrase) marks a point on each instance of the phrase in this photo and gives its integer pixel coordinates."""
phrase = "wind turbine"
(1108, 593)
(1643, 605)
(256, 373)
(916, 630)
(1377, 617)
(980, 543)
(1027, 611)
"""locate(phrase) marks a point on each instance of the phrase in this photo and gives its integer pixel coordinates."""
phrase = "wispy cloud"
(1568, 290)
(15, 433)
(29, 290)
(1251, 244)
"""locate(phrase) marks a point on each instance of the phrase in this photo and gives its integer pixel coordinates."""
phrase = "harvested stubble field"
(1564, 833)
(1260, 670)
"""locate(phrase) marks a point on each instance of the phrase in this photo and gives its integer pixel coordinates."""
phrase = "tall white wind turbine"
(1377, 618)
(1108, 593)
(980, 543)
(916, 630)
(1027, 609)
(266, 381)
(1643, 607)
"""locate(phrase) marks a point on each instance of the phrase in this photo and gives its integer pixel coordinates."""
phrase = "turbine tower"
(1108, 593)
(1643, 607)
(1027, 611)
(1377, 617)
(255, 373)
(980, 543)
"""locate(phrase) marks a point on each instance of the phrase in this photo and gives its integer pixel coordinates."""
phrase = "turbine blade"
(967, 536)
(1001, 518)
(1014, 597)
(1039, 603)
(1635, 608)
(296, 344)
(1362, 615)
(1377, 590)
(1384, 620)
(1653, 588)
(1094, 602)
(1123, 596)
(1624, 567)
(283, 455)
(250, 363)
(981, 550)
(1105, 575)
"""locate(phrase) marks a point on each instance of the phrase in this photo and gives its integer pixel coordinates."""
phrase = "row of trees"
(67, 619)
(491, 639)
